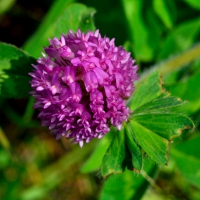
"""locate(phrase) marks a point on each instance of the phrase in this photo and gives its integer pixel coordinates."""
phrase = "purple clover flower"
(82, 84)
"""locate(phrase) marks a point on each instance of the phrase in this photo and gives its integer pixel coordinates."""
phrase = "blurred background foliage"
(163, 34)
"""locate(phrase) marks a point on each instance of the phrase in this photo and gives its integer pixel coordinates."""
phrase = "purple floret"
(82, 84)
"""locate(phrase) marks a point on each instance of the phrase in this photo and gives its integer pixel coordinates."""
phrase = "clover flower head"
(81, 85)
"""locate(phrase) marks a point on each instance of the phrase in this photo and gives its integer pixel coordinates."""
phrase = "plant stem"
(175, 63)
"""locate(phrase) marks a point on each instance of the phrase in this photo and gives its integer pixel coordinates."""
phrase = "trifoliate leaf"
(152, 125)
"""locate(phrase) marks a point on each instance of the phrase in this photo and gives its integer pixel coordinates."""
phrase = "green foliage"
(35, 166)
(152, 125)
(128, 185)
(147, 91)
(180, 38)
(167, 125)
(183, 90)
(78, 17)
(155, 146)
(186, 157)
(54, 173)
(140, 35)
(4, 159)
(114, 159)
(5, 5)
(95, 160)
(14, 68)
(46, 29)
(161, 9)
(134, 149)
(193, 3)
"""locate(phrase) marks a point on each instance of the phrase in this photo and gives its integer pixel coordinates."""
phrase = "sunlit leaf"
(14, 68)
(193, 3)
(5, 5)
(163, 12)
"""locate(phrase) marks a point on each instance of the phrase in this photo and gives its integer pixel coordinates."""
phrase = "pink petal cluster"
(81, 85)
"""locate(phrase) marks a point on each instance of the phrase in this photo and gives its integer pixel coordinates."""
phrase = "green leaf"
(155, 146)
(4, 158)
(135, 150)
(149, 129)
(14, 68)
(186, 157)
(162, 11)
(114, 158)
(127, 186)
(167, 125)
(39, 39)
(77, 16)
(153, 121)
(122, 152)
(193, 3)
(181, 38)
(183, 90)
(5, 5)
(155, 30)
(158, 117)
(94, 161)
(147, 91)
(163, 102)
(139, 31)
